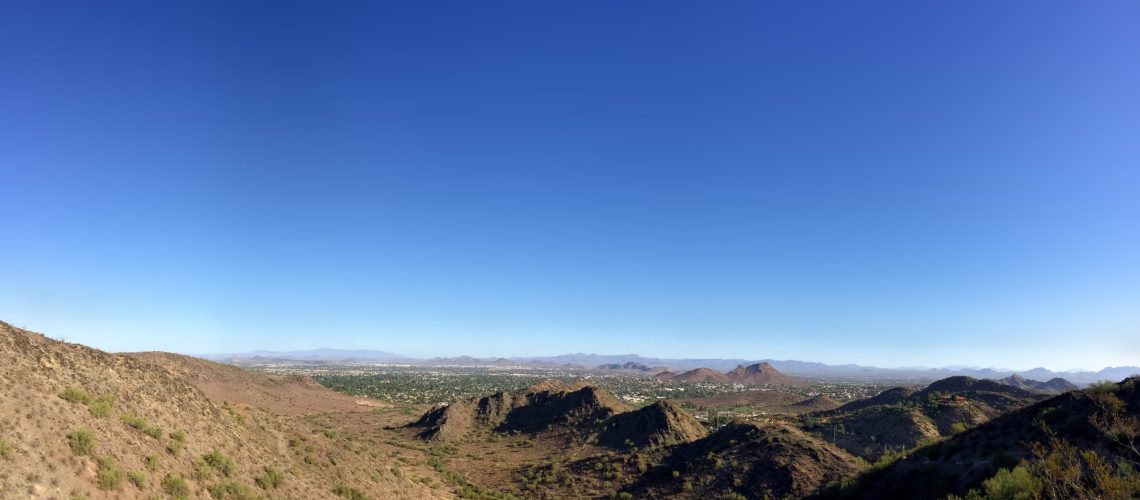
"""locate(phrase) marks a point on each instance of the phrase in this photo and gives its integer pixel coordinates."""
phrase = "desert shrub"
(82, 442)
(231, 489)
(5, 450)
(137, 478)
(958, 427)
(133, 421)
(349, 493)
(75, 395)
(108, 474)
(1104, 387)
(177, 442)
(271, 479)
(152, 462)
(219, 462)
(1008, 484)
(202, 470)
(137, 422)
(102, 406)
(176, 487)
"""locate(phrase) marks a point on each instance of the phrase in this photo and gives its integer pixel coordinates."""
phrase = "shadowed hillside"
(771, 461)
(1063, 438)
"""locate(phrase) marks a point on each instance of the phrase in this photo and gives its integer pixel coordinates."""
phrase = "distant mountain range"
(641, 363)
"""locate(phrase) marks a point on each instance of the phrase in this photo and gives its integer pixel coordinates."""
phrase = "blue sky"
(888, 183)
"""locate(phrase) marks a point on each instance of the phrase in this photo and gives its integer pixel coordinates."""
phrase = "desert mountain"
(754, 374)
(761, 373)
(79, 422)
(702, 375)
(1055, 385)
(629, 365)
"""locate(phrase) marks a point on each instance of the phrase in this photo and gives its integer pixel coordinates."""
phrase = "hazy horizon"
(886, 184)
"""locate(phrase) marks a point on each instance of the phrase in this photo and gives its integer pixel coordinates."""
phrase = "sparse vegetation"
(5, 450)
(82, 442)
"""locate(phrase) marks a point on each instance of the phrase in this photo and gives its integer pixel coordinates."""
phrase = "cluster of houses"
(952, 399)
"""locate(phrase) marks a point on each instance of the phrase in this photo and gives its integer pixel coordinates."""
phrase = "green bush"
(5, 450)
(958, 428)
(109, 475)
(349, 493)
(219, 462)
(1009, 484)
(271, 479)
(75, 395)
(231, 489)
(82, 442)
(176, 487)
(153, 461)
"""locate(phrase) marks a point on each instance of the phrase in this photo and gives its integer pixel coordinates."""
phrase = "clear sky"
(887, 183)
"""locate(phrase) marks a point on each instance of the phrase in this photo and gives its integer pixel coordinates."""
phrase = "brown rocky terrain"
(77, 422)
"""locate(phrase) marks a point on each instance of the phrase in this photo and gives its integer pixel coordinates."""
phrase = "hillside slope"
(295, 395)
(79, 422)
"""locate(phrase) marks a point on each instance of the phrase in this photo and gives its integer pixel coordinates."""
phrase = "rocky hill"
(77, 422)
(900, 418)
(1056, 385)
(702, 375)
(761, 373)
(535, 409)
(769, 461)
(661, 423)
(1100, 420)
